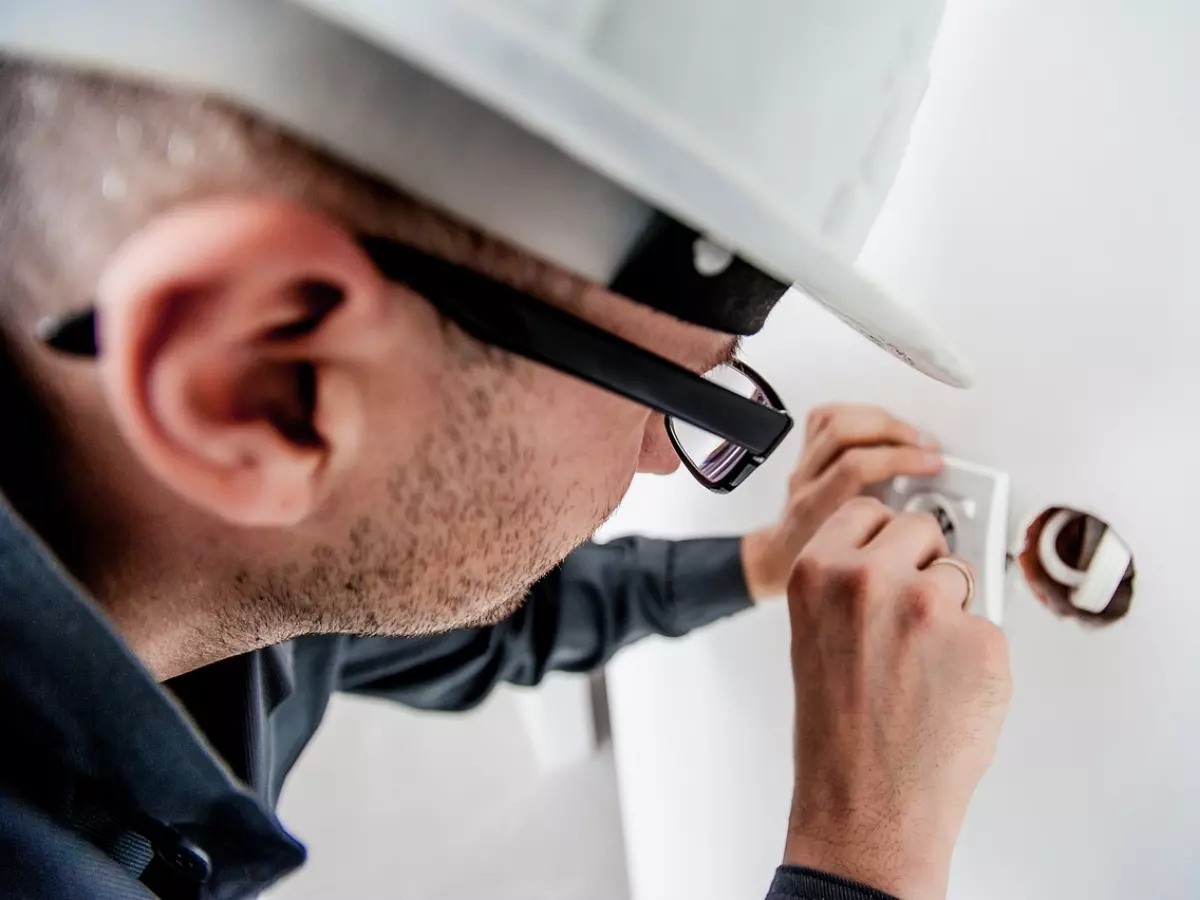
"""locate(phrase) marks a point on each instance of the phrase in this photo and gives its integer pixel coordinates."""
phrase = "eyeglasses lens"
(714, 457)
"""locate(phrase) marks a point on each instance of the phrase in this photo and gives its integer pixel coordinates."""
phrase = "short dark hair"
(87, 158)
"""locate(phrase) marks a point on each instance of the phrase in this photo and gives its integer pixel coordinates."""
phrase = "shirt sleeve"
(799, 883)
(601, 598)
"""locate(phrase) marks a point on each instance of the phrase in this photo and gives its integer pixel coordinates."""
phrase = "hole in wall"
(942, 509)
(1078, 566)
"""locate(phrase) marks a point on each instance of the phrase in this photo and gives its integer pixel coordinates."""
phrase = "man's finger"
(853, 525)
(820, 416)
(912, 539)
(862, 467)
(857, 426)
(948, 584)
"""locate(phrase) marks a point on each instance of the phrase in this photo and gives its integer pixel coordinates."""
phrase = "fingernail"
(933, 460)
(927, 440)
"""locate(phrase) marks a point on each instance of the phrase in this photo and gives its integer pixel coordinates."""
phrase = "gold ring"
(966, 572)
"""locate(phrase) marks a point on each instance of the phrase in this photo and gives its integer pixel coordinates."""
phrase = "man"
(335, 438)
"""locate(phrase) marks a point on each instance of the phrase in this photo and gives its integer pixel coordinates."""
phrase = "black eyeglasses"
(723, 425)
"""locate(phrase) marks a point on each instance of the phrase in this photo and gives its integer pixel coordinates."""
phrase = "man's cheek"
(606, 427)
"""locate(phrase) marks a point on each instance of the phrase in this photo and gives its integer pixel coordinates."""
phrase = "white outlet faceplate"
(971, 502)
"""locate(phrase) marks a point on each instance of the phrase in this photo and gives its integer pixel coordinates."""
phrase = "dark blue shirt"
(114, 786)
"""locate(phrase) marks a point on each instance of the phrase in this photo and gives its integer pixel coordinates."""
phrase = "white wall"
(1047, 216)
(400, 805)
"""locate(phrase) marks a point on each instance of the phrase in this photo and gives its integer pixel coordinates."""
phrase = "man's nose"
(658, 456)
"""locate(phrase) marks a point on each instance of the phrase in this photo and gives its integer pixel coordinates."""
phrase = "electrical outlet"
(970, 502)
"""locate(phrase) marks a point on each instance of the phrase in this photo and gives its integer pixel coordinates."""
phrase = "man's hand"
(846, 449)
(900, 696)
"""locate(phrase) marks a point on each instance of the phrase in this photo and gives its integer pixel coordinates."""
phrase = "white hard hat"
(756, 138)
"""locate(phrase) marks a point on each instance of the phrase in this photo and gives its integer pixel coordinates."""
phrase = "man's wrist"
(804, 883)
(910, 874)
(759, 565)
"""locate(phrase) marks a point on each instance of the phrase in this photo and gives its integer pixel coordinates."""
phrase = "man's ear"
(235, 335)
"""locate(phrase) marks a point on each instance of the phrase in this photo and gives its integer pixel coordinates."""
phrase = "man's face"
(513, 465)
(383, 473)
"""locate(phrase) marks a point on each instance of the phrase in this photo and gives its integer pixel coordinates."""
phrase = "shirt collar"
(90, 711)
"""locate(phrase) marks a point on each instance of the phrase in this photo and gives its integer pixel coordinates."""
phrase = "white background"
(1046, 215)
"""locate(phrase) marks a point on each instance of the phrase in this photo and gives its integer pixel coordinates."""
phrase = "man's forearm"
(601, 598)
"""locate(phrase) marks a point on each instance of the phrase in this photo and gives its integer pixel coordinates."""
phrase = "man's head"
(334, 454)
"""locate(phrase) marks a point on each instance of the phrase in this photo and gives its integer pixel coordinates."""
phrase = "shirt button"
(187, 859)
